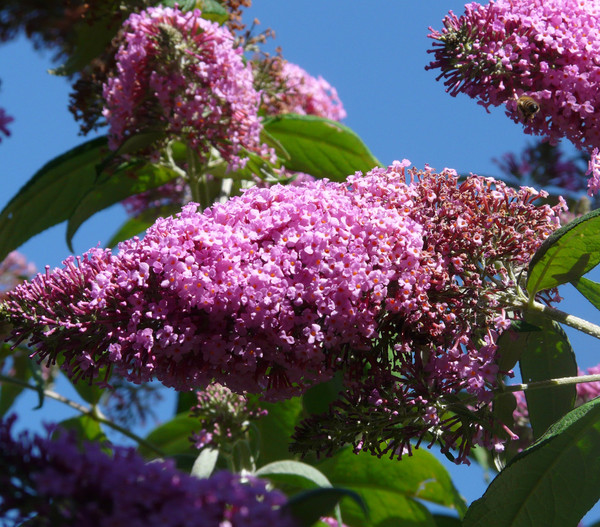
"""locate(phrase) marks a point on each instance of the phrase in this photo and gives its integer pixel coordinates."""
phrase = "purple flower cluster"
(264, 293)
(225, 416)
(545, 50)
(5, 120)
(180, 73)
(57, 482)
(296, 91)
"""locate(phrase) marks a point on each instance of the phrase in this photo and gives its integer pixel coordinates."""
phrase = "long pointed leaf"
(567, 254)
(551, 484)
(51, 195)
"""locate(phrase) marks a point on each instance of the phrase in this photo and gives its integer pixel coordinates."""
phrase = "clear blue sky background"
(374, 53)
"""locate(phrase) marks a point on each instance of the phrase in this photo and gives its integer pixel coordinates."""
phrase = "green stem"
(91, 411)
(564, 318)
(550, 382)
(196, 178)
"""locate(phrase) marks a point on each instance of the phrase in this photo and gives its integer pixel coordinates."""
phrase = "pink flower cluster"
(296, 91)
(546, 50)
(263, 293)
(5, 120)
(282, 286)
(63, 484)
(180, 74)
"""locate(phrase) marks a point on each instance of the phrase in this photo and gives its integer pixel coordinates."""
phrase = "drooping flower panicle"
(263, 293)
(57, 482)
(547, 50)
(283, 286)
(180, 74)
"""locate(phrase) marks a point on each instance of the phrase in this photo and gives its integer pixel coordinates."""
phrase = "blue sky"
(374, 53)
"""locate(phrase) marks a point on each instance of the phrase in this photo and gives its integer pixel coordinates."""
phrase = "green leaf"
(551, 484)
(293, 474)
(547, 354)
(205, 463)
(446, 521)
(173, 439)
(318, 146)
(137, 225)
(86, 428)
(567, 254)
(392, 489)
(123, 183)
(276, 429)
(51, 195)
(316, 399)
(20, 371)
(589, 289)
(307, 507)
(213, 10)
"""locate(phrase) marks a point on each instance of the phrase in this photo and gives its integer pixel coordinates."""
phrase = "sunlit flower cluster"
(546, 50)
(263, 293)
(283, 286)
(293, 90)
(180, 74)
(56, 482)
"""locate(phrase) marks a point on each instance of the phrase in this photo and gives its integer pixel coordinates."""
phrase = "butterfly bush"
(478, 238)
(48, 482)
(547, 50)
(283, 286)
(264, 293)
(181, 74)
(293, 90)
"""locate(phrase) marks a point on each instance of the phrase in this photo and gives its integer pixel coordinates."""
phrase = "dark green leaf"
(20, 371)
(205, 463)
(38, 381)
(173, 439)
(86, 428)
(547, 354)
(307, 507)
(551, 484)
(318, 146)
(316, 400)
(589, 289)
(567, 254)
(392, 488)
(120, 185)
(276, 429)
(446, 521)
(51, 195)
